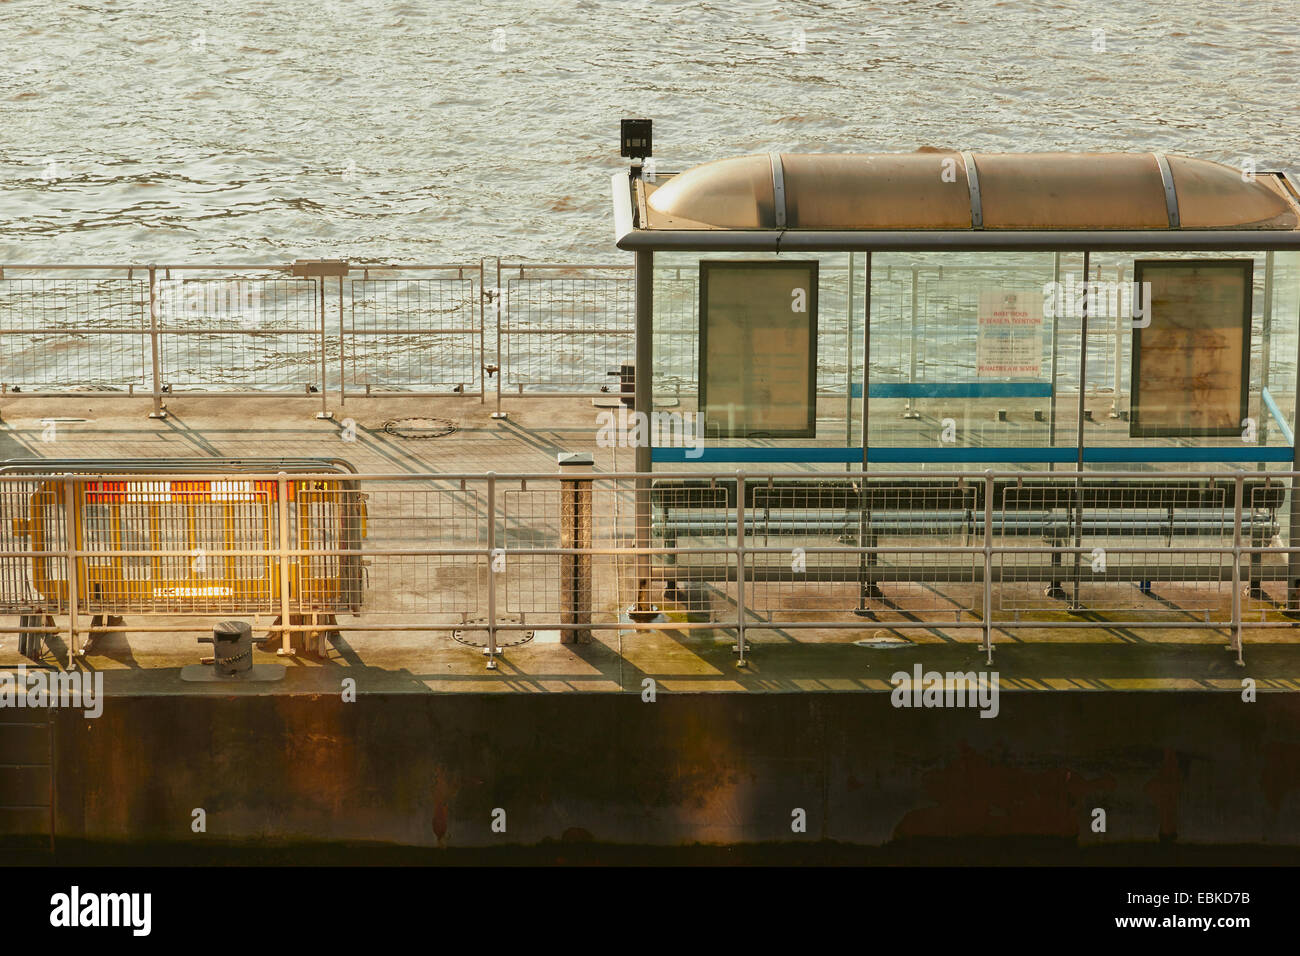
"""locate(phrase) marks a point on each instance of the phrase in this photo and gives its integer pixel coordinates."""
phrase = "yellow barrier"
(186, 546)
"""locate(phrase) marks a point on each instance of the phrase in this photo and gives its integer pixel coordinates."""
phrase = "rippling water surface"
(448, 130)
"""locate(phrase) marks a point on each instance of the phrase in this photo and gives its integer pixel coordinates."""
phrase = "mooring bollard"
(575, 532)
(232, 648)
(232, 657)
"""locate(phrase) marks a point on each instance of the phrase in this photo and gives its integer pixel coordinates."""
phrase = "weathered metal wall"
(429, 770)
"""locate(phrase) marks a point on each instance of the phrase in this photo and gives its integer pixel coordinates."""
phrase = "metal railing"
(339, 329)
(489, 559)
(312, 328)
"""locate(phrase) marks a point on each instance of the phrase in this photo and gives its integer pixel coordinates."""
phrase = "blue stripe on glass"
(961, 456)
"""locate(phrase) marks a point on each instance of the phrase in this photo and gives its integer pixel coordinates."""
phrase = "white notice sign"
(1010, 343)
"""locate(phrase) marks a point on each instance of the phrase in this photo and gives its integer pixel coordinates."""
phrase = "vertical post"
(497, 296)
(866, 362)
(1056, 328)
(848, 361)
(1119, 346)
(643, 401)
(1239, 493)
(73, 538)
(492, 571)
(158, 410)
(740, 567)
(1293, 524)
(575, 533)
(1078, 447)
(343, 351)
(866, 539)
(1266, 351)
(909, 411)
(988, 566)
(286, 614)
(324, 368)
(482, 344)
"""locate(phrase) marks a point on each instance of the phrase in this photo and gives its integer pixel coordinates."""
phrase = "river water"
(446, 130)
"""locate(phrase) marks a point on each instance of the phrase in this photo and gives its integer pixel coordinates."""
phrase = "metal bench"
(1059, 512)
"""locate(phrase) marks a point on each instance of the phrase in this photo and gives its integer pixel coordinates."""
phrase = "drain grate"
(473, 633)
(420, 427)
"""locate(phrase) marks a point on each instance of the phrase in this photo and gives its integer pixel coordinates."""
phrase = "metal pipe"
(740, 567)
(988, 567)
(908, 410)
(343, 350)
(848, 361)
(156, 373)
(643, 401)
(1266, 346)
(866, 363)
(492, 570)
(1119, 346)
(286, 616)
(1056, 327)
(1239, 483)
(72, 531)
(1078, 465)
(324, 372)
(989, 240)
(497, 296)
(1293, 524)
(482, 345)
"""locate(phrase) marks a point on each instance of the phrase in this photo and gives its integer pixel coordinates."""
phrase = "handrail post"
(988, 566)
(909, 410)
(343, 351)
(740, 567)
(72, 529)
(286, 647)
(497, 297)
(1085, 309)
(492, 570)
(482, 342)
(1238, 495)
(324, 412)
(156, 371)
(575, 532)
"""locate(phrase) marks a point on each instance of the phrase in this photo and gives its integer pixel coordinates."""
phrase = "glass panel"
(969, 356)
(840, 293)
(1110, 365)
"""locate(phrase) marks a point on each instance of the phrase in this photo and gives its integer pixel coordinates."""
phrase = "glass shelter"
(948, 312)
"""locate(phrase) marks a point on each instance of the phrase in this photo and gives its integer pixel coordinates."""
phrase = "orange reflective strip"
(189, 489)
(105, 492)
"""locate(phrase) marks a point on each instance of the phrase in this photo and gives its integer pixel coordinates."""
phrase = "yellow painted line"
(840, 683)
(469, 686)
(701, 686)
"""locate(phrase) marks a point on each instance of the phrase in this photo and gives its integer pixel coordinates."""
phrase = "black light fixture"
(635, 137)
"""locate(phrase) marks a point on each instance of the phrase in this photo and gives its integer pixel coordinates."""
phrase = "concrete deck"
(1173, 657)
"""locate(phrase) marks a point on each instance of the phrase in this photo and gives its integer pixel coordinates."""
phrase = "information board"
(1010, 343)
(1191, 362)
(758, 348)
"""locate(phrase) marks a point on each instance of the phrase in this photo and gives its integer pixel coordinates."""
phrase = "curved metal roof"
(950, 191)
